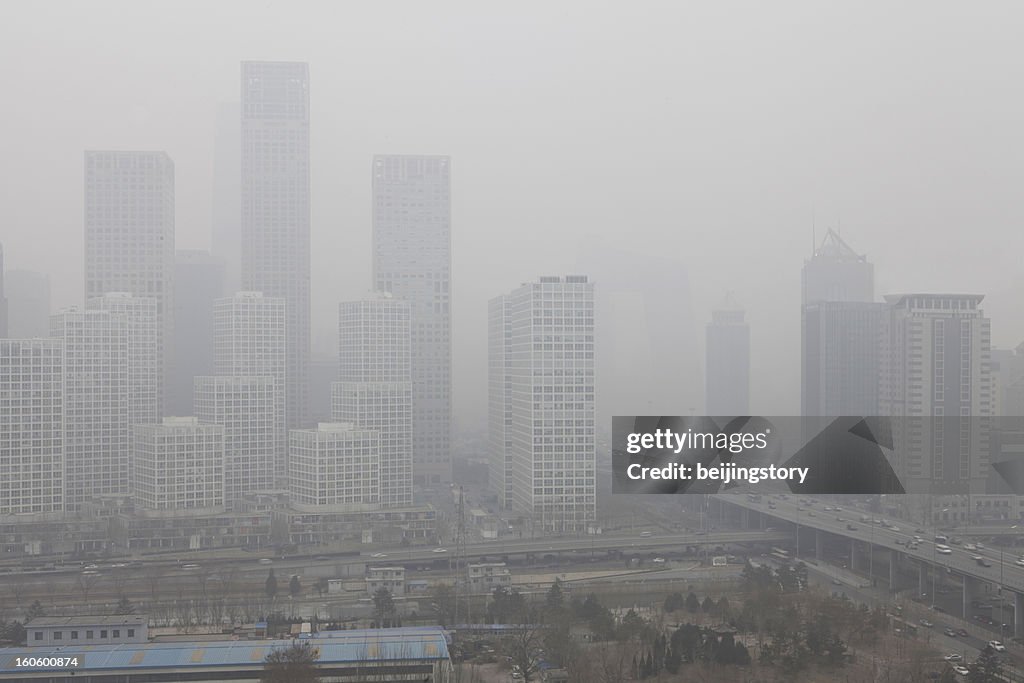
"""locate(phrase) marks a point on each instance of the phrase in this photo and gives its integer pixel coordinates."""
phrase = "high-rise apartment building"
(727, 373)
(499, 395)
(97, 396)
(336, 466)
(375, 387)
(412, 261)
(31, 426)
(143, 352)
(250, 340)
(199, 281)
(550, 458)
(179, 465)
(245, 408)
(129, 235)
(275, 207)
(226, 199)
(936, 381)
(28, 304)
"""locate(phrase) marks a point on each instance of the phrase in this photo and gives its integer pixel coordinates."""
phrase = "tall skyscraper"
(835, 272)
(412, 261)
(199, 281)
(249, 334)
(550, 460)
(96, 403)
(179, 465)
(499, 395)
(129, 235)
(28, 304)
(375, 387)
(143, 347)
(226, 205)
(4, 333)
(727, 380)
(31, 426)
(244, 407)
(841, 333)
(336, 466)
(936, 377)
(275, 206)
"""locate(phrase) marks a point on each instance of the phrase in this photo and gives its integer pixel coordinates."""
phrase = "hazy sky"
(708, 132)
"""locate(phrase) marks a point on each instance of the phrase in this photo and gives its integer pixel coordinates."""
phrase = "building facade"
(936, 381)
(179, 465)
(412, 261)
(129, 235)
(97, 438)
(245, 408)
(375, 387)
(275, 207)
(499, 395)
(144, 380)
(250, 340)
(335, 466)
(550, 459)
(31, 426)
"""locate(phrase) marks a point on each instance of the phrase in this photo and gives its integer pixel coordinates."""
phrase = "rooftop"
(335, 648)
(89, 620)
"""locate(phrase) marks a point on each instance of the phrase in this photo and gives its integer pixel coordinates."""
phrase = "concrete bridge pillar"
(1018, 615)
(894, 561)
(972, 587)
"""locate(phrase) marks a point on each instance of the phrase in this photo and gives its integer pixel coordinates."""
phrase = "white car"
(962, 670)
(439, 550)
(970, 546)
(1020, 562)
(943, 550)
(997, 646)
(953, 658)
(378, 555)
(266, 560)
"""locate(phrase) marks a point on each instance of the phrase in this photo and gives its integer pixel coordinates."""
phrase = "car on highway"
(949, 632)
(953, 658)
(658, 560)
(379, 555)
(962, 633)
(851, 527)
(266, 560)
(645, 534)
(926, 623)
(189, 567)
(943, 549)
(321, 558)
(979, 546)
(829, 508)
(962, 670)
(1020, 562)
(997, 646)
(439, 550)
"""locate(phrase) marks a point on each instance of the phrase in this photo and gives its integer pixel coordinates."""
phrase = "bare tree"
(86, 581)
(524, 647)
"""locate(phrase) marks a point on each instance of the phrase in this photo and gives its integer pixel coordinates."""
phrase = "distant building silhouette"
(275, 207)
(199, 281)
(727, 374)
(3, 297)
(28, 304)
